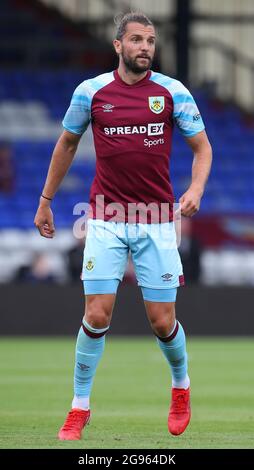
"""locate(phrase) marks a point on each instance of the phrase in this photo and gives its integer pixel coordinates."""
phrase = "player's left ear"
(118, 46)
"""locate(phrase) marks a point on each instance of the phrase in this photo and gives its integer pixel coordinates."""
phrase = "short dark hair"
(131, 17)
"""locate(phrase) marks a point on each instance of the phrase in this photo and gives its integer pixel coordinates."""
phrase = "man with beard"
(132, 111)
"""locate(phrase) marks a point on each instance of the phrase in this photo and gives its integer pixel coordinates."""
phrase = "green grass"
(130, 395)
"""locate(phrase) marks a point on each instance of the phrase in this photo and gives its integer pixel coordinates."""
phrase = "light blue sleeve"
(78, 115)
(186, 114)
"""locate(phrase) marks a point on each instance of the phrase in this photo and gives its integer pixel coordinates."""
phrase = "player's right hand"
(44, 221)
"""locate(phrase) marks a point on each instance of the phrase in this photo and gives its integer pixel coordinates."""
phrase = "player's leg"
(103, 257)
(89, 350)
(171, 340)
(91, 342)
(159, 272)
(169, 332)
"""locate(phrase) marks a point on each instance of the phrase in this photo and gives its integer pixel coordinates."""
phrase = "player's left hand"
(190, 202)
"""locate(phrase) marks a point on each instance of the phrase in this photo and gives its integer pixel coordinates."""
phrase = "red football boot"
(180, 411)
(75, 422)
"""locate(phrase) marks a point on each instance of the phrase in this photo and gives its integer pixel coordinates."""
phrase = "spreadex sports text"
(152, 129)
(155, 128)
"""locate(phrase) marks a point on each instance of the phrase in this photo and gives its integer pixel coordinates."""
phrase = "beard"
(133, 66)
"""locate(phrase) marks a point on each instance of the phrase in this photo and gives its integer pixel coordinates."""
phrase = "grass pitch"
(130, 397)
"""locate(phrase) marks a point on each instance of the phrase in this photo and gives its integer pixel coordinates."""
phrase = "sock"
(83, 403)
(89, 349)
(174, 350)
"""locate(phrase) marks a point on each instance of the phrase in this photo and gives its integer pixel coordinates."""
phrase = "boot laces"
(180, 403)
(73, 420)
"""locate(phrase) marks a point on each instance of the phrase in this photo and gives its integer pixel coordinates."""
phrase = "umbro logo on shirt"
(107, 108)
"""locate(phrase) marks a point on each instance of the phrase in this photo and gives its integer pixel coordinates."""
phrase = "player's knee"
(97, 313)
(97, 318)
(162, 322)
(162, 318)
(162, 327)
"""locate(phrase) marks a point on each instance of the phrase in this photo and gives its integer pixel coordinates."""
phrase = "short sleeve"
(78, 115)
(186, 113)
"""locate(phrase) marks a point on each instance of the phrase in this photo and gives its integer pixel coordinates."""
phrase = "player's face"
(137, 47)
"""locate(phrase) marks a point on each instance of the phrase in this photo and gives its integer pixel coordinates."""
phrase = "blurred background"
(47, 48)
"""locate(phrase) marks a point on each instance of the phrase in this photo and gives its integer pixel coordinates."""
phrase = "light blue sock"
(89, 349)
(174, 350)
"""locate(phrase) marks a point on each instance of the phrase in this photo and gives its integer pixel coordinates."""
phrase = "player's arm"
(61, 160)
(190, 200)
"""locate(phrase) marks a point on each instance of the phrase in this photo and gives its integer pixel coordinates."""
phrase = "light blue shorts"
(154, 254)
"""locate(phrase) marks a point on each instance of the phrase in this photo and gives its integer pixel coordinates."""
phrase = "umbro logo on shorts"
(167, 277)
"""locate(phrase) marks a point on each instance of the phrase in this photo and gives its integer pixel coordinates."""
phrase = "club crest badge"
(156, 104)
(90, 264)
